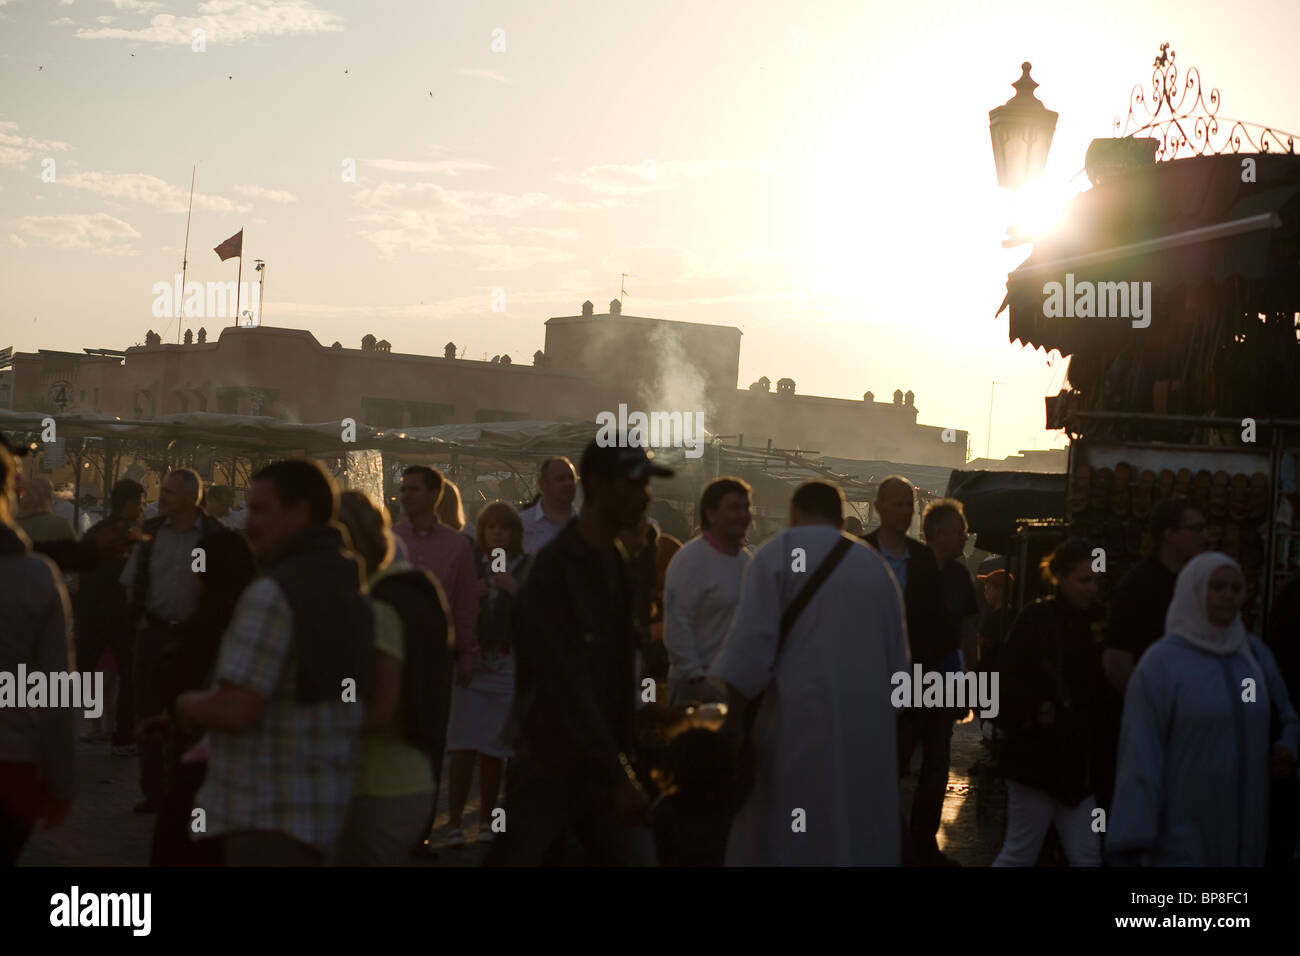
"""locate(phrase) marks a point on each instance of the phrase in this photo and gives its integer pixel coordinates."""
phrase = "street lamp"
(261, 287)
(1021, 130)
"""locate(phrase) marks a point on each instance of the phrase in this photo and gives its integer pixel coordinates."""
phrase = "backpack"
(427, 668)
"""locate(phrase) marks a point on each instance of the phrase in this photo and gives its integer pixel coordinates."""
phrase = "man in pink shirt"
(444, 553)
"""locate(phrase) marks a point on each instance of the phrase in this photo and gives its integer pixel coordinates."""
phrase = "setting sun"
(1038, 208)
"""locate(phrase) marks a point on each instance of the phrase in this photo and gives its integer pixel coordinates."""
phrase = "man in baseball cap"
(997, 581)
(576, 682)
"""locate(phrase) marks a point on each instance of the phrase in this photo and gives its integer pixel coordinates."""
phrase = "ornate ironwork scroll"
(1191, 126)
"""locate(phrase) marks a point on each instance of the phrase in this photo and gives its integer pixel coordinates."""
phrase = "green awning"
(1179, 226)
(995, 500)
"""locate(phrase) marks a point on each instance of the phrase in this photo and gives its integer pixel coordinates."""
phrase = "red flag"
(234, 246)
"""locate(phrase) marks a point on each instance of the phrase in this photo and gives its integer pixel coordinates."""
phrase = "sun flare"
(1038, 208)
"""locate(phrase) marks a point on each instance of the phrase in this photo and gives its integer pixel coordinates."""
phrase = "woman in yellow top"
(390, 807)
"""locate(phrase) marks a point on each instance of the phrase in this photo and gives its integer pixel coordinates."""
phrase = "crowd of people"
(294, 687)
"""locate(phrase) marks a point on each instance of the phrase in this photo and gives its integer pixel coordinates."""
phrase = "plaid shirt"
(293, 772)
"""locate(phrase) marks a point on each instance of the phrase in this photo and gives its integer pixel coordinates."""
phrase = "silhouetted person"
(917, 573)
(576, 682)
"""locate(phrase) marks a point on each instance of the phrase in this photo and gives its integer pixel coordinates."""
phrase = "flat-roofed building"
(590, 363)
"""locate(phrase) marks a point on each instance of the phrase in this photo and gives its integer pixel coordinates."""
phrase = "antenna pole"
(988, 441)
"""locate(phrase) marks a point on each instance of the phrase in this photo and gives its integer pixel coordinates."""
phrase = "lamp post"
(1021, 130)
(261, 287)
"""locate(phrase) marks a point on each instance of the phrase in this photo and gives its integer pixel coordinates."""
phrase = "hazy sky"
(818, 174)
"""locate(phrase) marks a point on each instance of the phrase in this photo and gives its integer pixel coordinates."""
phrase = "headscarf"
(1187, 618)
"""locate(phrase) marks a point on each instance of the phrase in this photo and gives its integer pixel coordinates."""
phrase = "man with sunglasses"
(1141, 598)
(1137, 620)
(944, 525)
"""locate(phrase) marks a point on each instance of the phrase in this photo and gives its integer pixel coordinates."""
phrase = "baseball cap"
(991, 568)
(631, 461)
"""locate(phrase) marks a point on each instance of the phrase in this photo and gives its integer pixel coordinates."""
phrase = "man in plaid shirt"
(284, 729)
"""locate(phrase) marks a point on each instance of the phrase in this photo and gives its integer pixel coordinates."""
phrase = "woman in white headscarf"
(1195, 750)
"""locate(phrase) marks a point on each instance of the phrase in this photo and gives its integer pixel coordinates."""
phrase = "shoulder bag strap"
(811, 587)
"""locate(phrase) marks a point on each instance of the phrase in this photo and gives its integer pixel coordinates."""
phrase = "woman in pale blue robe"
(1195, 754)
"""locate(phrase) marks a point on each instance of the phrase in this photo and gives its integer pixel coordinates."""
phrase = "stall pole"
(76, 487)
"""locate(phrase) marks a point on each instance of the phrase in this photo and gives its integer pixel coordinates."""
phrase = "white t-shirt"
(701, 590)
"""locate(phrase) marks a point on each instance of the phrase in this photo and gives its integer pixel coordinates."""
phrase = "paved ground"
(103, 831)
(974, 810)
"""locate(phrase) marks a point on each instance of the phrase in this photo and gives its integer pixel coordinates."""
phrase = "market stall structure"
(496, 461)
(1173, 287)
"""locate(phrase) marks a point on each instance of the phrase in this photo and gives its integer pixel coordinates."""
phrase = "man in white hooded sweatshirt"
(1195, 754)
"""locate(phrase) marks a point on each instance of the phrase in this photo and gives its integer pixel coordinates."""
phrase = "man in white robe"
(826, 792)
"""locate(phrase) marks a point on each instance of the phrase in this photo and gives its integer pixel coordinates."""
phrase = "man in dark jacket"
(576, 683)
(103, 542)
(37, 744)
(162, 592)
(917, 571)
(1284, 641)
(101, 613)
(1137, 620)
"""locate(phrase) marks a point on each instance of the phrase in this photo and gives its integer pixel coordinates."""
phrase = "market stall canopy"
(995, 500)
(929, 478)
(1178, 225)
(262, 434)
(250, 433)
(503, 433)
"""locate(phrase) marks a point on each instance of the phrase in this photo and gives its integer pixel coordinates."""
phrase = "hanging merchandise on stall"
(1115, 486)
(1172, 286)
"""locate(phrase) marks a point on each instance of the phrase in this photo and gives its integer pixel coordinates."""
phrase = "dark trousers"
(544, 806)
(1283, 822)
(93, 637)
(21, 796)
(932, 728)
(1105, 755)
(150, 700)
(172, 845)
(269, 848)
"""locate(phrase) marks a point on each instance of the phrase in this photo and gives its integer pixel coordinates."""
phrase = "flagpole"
(239, 282)
(185, 258)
